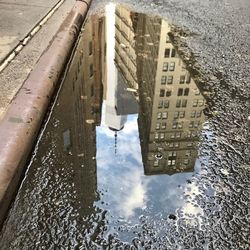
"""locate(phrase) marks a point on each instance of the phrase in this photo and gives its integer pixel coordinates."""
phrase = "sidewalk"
(17, 19)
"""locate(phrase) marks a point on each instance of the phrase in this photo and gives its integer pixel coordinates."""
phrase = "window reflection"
(142, 73)
(174, 115)
(170, 114)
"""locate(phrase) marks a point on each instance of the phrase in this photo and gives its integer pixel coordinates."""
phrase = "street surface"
(212, 38)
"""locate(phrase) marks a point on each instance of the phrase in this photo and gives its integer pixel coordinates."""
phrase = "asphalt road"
(213, 38)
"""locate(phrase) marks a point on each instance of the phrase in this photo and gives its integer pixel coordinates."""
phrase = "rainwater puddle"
(116, 164)
(151, 117)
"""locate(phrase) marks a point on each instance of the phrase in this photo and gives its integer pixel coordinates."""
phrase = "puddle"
(117, 161)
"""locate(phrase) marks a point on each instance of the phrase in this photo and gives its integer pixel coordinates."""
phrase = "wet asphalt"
(212, 38)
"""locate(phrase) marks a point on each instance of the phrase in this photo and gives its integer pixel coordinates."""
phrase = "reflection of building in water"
(83, 82)
(119, 102)
(125, 57)
(170, 102)
(112, 119)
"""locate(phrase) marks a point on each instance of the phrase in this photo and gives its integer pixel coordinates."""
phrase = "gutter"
(21, 123)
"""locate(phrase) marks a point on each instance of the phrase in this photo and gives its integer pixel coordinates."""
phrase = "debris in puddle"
(225, 172)
(131, 90)
(172, 217)
(90, 121)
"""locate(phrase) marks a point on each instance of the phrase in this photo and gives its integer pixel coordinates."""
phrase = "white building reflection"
(118, 101)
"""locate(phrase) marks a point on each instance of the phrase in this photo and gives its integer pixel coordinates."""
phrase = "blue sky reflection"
(127, 192)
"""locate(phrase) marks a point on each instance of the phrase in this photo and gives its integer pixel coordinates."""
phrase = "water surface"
(116, 162)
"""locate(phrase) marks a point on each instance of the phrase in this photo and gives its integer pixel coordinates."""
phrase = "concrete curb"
(22, 121)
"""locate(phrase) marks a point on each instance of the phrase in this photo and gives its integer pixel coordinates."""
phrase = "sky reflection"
(120, 176)
(152, 112)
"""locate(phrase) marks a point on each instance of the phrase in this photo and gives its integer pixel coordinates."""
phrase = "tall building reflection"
(171, 105)
(81, 99)
(125, 54)
(136, 57)
(119, 101)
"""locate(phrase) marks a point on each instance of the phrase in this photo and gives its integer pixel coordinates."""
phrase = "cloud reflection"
(137, 197)
(124, 170)
(127, 191)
